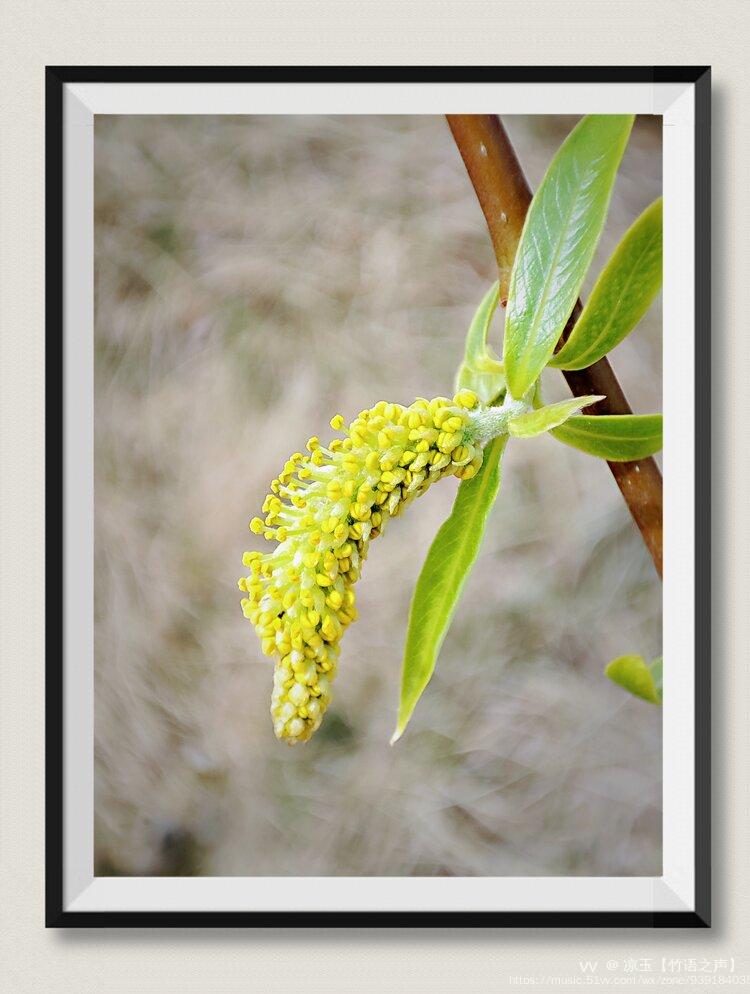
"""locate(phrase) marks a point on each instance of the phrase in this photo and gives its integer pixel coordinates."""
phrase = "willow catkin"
(324, 509)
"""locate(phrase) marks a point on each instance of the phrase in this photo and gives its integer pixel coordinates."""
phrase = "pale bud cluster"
(323, 511)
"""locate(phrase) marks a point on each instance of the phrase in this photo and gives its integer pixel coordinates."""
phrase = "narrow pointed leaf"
(438, 589)
(615, 437)
(621, 296)
(637, 677)
(545, 418)
(481, 371)
(560, 234)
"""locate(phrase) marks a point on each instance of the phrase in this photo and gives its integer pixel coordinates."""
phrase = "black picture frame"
(56, 79)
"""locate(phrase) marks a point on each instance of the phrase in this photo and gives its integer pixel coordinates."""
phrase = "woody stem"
(504, 196)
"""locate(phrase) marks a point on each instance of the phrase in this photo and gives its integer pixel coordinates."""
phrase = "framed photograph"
(299, 299)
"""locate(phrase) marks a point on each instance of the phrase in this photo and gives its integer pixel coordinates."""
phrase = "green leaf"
(559, 236)
(616, 437)
(545, 418)
(448, 563)
(635, 675)
(657, 674)
(621, 296)
(481, 370)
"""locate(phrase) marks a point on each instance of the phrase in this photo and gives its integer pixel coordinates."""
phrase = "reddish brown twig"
(504, 196)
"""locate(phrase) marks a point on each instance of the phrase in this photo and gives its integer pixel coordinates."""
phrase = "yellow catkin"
(323, 511)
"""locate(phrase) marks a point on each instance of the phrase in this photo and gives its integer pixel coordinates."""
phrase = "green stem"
(489, 422)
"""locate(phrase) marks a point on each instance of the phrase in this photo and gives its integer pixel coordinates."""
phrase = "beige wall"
(685, 32)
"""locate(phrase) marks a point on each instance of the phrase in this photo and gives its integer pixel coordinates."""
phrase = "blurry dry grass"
(254, 276)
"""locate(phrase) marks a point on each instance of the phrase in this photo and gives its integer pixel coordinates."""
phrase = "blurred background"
(254, 276)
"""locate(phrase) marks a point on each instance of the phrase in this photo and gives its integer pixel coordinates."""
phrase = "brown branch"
(504, 196)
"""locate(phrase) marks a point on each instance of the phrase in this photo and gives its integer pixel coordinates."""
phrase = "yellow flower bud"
(324, 509)
(467, 399)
